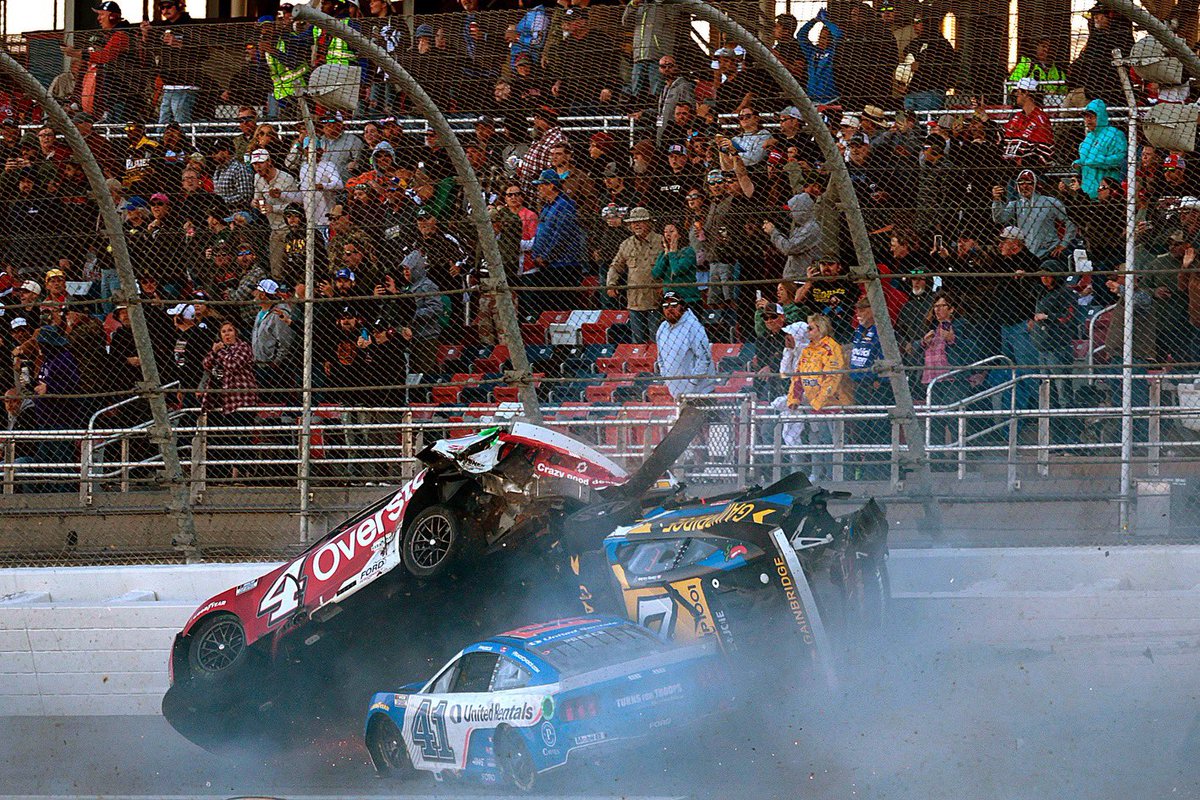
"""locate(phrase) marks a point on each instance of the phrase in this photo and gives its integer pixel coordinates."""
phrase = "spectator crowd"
(705, 214)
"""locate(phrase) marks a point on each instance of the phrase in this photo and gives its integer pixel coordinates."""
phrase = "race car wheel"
(514, 760)
(388, 752)
(431, 542)
(218, 647)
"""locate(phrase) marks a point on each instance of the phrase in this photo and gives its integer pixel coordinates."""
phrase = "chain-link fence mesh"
(664, 226)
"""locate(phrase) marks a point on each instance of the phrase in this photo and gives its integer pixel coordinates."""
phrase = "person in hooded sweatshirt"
(1102, 151)
(803, 243)
(423, 326)
(683, 350)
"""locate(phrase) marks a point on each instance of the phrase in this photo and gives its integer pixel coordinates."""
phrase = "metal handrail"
(959, 370)
(1092, 349)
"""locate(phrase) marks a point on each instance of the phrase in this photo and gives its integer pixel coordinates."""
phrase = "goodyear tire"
(432, 541)
(218, 648)
(514, 760)
(388, 751)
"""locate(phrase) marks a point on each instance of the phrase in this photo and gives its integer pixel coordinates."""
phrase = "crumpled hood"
(1100, 109)
(803, 208)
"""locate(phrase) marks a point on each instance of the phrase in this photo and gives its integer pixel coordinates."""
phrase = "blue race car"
(509, 708)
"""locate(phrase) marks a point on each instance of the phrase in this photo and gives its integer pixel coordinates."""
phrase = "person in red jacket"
(1028, 139)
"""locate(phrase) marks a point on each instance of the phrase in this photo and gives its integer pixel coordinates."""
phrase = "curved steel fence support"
(496, 283)
(866, 270)
(160, 432)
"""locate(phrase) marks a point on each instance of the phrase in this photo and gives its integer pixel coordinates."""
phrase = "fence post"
(303, 482)
(496, 283)
(1043, 457)
(1125, 519)
(840, 180)
(185, 539)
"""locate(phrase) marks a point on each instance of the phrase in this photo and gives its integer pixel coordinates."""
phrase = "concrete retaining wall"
(78, 641)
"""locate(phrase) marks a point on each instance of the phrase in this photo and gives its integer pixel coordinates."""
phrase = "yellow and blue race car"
(509, 708)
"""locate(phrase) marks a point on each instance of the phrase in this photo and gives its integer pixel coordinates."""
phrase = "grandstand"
(668, 229)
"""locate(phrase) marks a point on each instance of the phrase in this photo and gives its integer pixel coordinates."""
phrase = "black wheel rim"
(518, 765)
(390, 748)
(430, 541)
(220, 645)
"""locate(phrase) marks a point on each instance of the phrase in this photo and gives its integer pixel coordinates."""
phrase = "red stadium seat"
(658, 394)
(657, 419)
(447, 394)
(723, 351)
(597, 332)
(535, 332)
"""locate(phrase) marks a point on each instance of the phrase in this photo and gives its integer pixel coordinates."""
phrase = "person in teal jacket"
(676, 267)
(1102, 152)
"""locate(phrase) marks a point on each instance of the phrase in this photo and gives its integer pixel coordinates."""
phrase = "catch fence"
(666, 228)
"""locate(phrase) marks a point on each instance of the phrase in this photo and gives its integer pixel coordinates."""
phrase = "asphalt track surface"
(1103, 716)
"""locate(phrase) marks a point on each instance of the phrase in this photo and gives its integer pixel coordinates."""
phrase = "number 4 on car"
(510, 708)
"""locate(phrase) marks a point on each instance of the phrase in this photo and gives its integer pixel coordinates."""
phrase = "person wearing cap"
(54, 408)
(295, 246)
(383, 168)
(111, 64)
(618, 191)
(142, 157)
(242, 142)
(547, 133)
(751, 142)
(1101, 223)
(233, 180)
(684, 353)
(560, 246)
(285, 51)
(668, 188)
(250, 273)
(598, 87)
(1044, 222)
(1092, 69)
(1008, 303)
(1028, 137)
(820, 57)
(101, 148)
(1041, 67)
(910, 322)
(1175, 177)
(272, 338)
(1052, 328)
(273, 190)
(192, 343)
(56, 286)
(330, 49)
(934, 64)
(633, 267)
(178, 54)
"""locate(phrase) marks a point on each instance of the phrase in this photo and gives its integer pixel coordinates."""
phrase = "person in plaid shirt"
(233, 181)
(549, 134)
(231, 365)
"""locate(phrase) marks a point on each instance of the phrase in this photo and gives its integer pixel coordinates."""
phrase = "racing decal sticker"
(347, 555)
(734, 512)
(544, 466)
(549, 735)
(678, 611)
(802, 604)
(438, 731)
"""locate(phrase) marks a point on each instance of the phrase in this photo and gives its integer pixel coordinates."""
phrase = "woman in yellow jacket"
(820, 384)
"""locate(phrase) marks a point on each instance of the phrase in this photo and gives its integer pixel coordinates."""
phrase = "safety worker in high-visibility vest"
(329, 49)
(1051, 78)
(285, 52)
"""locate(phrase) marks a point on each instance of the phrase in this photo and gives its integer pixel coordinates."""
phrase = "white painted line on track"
(389, 795)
